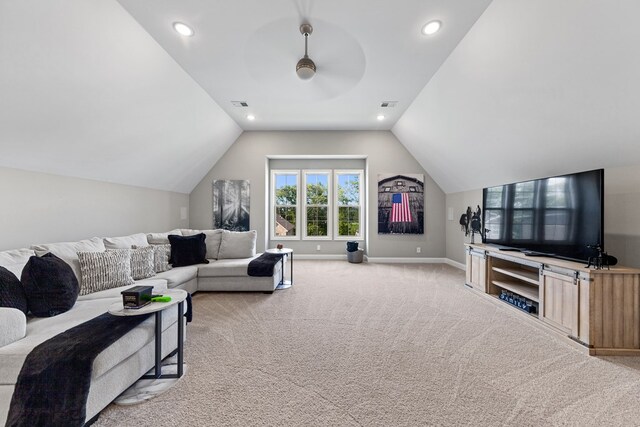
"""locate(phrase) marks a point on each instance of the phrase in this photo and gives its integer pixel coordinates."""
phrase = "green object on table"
(161, 298)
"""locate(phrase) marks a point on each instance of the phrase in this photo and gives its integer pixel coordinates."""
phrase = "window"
(284, 213)
(349, 204)
(317, 199)
(316, 204)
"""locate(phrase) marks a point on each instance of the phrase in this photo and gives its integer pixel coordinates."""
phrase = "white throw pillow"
(161, 238)
(161, 257)
(142, 262)
(104, 270)
(126, 242)
(15, 260)
(238, 244)
(213, 240)
(68, 251)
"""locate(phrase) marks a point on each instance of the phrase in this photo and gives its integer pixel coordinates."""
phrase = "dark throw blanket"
(53, 385)
(263, 265)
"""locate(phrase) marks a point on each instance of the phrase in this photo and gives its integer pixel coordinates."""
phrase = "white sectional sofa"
(125, 361)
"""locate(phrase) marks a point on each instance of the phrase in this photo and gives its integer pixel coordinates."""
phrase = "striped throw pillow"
(104, 270)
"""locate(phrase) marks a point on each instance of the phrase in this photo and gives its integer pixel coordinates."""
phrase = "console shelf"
(520, 274)
(527, 291)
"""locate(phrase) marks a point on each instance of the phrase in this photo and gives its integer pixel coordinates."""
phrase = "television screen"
(557, 216)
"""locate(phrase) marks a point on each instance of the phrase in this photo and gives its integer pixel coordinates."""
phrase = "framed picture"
(401, 204)
(231, 202)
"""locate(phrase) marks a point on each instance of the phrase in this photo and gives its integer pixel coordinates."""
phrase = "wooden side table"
(285, 252)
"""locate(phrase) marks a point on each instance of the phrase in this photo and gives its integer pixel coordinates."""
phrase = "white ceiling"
(366, 52)
(86, 92)
(533, 88)
(536, 88)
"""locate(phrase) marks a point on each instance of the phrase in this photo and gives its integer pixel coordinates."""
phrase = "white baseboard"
(319, 256)
(455, 264)
(393, 260)
(384, 260)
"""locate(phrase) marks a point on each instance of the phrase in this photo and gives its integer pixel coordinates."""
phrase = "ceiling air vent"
(388, 104)
(240, 103)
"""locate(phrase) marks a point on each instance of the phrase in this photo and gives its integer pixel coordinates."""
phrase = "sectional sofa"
(125, 361)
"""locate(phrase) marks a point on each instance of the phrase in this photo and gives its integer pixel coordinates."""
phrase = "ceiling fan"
(306, 68)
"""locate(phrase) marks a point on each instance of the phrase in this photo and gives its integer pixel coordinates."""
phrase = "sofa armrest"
(13, 325)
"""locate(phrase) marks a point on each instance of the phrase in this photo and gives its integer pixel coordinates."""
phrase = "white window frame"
(329, 174)
(336, 222)
(272, 203)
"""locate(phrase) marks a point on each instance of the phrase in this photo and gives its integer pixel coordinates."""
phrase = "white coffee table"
(177, 298)
(285, 252)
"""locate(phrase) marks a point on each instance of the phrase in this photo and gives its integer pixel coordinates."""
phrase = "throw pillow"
(161, 257)
(68, 251)
(14, 260)
(125, 242)
(50, 285)
(142, 262)
(11, 292)
(161, 238)
(214, 237)
(188, 250)
(105, 270)
(238, 244)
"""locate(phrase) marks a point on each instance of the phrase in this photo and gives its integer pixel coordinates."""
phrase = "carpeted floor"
(382, 345)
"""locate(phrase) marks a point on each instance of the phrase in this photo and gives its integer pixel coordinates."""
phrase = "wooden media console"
(598, 308)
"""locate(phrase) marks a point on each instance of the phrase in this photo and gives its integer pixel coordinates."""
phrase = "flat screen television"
(557, 216)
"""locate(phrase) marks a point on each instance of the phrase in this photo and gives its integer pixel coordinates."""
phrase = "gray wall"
(246, 160)
(621, 223)
(40, 208)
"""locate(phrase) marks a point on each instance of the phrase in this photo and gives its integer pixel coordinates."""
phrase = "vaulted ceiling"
(507, 90)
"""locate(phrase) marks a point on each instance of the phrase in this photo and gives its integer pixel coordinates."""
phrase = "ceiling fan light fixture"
(305, 68)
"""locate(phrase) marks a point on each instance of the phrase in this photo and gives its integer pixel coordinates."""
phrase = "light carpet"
(382, 345)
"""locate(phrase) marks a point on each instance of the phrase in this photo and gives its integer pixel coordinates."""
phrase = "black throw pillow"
(188, 250)
(50, 284)
(11, 292)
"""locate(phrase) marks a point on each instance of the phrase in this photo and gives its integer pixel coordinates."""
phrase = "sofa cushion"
(126, 242)
(105, 270)
(159, 285)
(213, 239)
(238, 244)
(11, 292)
(188, 250)
(13, 325)
(142, 265)
(177, 276)
(226, 267)
(50, 285)
(162, 238)
(68, 251)
(14, 260)
(161, 257)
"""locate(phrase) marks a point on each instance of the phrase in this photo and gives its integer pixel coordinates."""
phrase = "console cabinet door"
(477, 270)
(559, 302)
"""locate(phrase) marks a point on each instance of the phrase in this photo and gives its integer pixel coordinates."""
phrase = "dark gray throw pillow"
(188, 250)
(50, 285)
(11, 292)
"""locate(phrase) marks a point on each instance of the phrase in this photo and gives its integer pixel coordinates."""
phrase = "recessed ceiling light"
(183, 29)
(431, 28)
(251, 117)
(380, 117)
